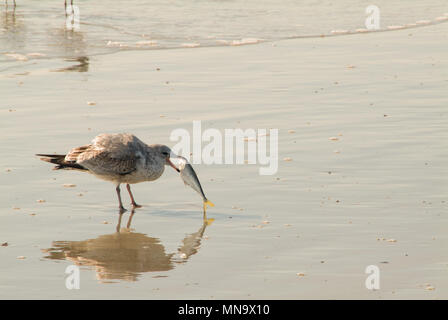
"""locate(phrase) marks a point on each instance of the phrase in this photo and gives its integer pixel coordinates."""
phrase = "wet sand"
(328, 213)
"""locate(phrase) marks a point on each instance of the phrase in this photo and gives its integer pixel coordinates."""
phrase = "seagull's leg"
(134, 204)
(119, 222)
(73, 9)
(65, 7)
(130, 219)
(120, 204)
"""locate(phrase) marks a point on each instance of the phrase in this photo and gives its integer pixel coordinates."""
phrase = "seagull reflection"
(12, 30)
(125, 255)
(14, 4)
(81, 66)
(72, 45)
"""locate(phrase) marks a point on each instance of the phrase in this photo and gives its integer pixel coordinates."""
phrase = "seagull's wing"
(110, 154)
(73, 154)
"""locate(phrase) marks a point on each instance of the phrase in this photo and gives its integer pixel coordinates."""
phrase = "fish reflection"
(125, 255)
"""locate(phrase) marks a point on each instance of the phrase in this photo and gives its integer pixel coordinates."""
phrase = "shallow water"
(39, 27)
(328, 213)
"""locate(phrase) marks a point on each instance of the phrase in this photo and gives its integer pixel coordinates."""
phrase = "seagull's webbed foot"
(121, 210)
(135, 205)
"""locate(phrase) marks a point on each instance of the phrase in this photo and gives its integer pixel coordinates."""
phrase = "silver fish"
(191, 179)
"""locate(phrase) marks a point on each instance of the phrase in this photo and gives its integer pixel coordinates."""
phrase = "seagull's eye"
(165, 153)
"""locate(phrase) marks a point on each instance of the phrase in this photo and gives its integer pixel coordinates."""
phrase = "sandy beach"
(362, 175)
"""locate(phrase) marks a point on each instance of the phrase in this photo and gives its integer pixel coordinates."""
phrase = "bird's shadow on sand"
(125, 254)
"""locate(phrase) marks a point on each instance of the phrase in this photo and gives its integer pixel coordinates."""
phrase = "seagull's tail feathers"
(59, 159)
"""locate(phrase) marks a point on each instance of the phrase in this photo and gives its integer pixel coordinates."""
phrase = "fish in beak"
(190, 178)
(168, 161)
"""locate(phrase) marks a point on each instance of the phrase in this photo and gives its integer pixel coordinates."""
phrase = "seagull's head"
(166, 153)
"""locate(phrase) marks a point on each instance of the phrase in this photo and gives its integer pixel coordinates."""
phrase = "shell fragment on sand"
(69, 185)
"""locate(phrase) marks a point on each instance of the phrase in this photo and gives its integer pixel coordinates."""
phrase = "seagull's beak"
(168, 161)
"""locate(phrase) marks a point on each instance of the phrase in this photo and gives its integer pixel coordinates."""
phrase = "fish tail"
(208, 203)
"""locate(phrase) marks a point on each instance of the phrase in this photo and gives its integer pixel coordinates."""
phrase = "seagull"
(65, 6)
(119, 158)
